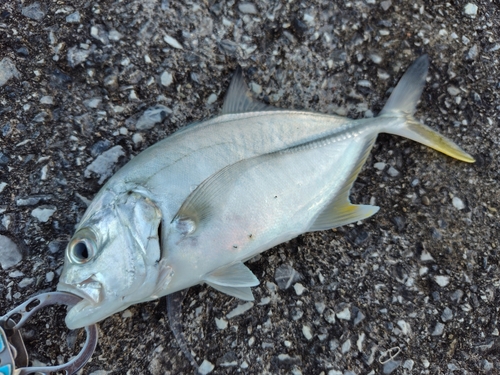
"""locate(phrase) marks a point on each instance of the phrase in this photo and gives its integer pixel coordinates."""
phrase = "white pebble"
(166, 79)
(452, 90)
(211, 99)
(380, 166)
(2, 186)
(206, 367)
(470, 9)
(458, 203)
(307, 332)
(173, 42)
(393, 172)
(299, 289)
(346, 346)
(43, 213)
(137, 138)
(438, 329)
(442, 280)
(49, 276)
(25, 282)
(386, 4)
(240, 309)
(344, 314)
(221, 323)
(47, 99)
(127, 314)
(248, 8)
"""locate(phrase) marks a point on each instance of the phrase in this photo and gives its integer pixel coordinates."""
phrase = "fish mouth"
(89, 290)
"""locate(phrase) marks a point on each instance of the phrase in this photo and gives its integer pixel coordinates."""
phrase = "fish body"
(193, 207)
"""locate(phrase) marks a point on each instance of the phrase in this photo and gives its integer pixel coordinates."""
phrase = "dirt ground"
(413, 290)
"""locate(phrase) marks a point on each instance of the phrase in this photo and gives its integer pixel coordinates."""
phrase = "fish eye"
(81, 249)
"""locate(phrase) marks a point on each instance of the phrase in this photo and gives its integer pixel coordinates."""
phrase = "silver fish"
(194, 207)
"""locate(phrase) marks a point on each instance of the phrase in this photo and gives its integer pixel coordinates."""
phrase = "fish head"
(113, 259)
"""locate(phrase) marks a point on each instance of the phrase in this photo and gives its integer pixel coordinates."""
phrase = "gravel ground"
(413, 290)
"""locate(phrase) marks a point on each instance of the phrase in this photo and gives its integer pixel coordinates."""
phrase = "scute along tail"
(403, 102)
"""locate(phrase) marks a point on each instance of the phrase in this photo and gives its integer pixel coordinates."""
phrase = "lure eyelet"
(81, 249)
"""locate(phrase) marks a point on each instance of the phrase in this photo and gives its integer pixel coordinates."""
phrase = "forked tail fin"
(403, 102)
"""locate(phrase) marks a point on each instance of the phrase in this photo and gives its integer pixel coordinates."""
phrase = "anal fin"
(234, 279)
(340, 211)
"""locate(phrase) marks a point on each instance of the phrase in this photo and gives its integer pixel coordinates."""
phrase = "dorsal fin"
(239, 99)
(340, 211)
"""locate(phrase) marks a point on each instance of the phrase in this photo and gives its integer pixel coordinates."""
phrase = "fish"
(192, 208)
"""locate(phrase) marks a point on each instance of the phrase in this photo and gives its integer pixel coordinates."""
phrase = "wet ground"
(413, 290)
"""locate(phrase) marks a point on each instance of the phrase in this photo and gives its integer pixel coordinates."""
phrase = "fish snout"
(89, 289)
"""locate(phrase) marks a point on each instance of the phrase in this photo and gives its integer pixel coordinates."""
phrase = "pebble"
(172, 42)
(16, 273)
(345, 314)
(206, 367)
(8, 70)
(380, 166)
(470, 9)
(438, 329)
(307, 332)
(47, 99)
(240, 309)
(299, 289)
(320, 307)
(49, 276)
(76, 56)
(386, 5)
(393, 172)
(74, 17)
(447, 314)
(452, 90)
(166, 78)
(458, 203)
(346, 346)
(408, 364)
(221, 323)
(34, 11)
(26, 282)
(442, 280)
(285, 275)
(472, 53)
(247, 8)
(152, 116)
(104, 164)
(2, 186)
(390, 366)
(43, 213)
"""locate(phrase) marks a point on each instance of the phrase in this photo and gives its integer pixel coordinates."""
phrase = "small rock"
(127, 314)
(43, 213)
(76, 56)
(46, 100)
(285, 276)
(442, 280)
(221, 323)
(211, 99)
(152, 116)
(206, 367)
(8, 70)
(345, 314)
(447, 314)
(458, 203)
(74, 17)
(307, 332)
(49, 276)
(2, 186)
(438, 329)
(386, 4)
(390, 366)
(34, 11)
(346, 346)
(104, 164)
(173, 42)
(380, 166)
(10, 255)
(393, 172)
(409, 363)
(470, 9)
(320, 307)
(299, 289)
(454, 91)
(472, 53)
(98, 32)
(376, 58)
(26, 282)
(166, 79)
(247, 8)
(240, 309)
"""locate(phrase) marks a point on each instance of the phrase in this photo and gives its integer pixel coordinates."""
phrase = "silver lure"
(195, 206)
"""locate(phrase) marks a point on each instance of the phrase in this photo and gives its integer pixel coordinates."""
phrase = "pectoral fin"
(243, 293)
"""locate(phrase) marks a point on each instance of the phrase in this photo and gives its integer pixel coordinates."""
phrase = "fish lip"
(89, 290)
